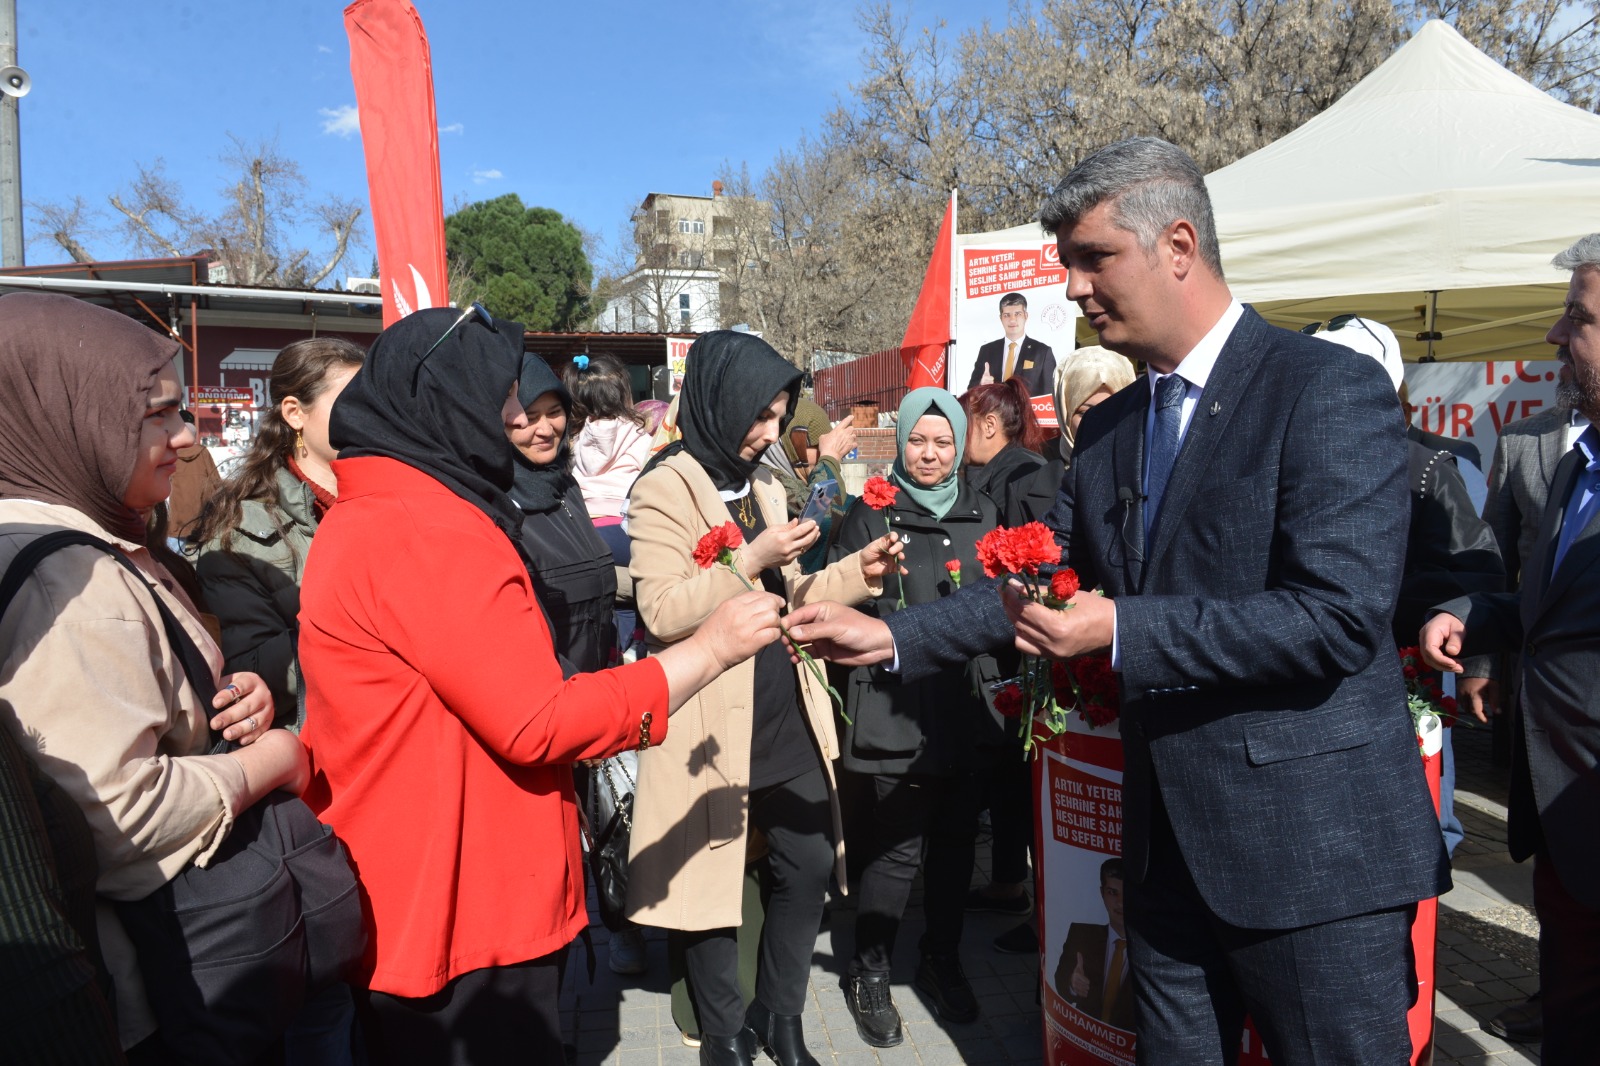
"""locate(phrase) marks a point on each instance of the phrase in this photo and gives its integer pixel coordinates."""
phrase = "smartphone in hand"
(821, 500)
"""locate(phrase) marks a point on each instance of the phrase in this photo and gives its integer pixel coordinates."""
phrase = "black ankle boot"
(781, 1036)
(728, 1050)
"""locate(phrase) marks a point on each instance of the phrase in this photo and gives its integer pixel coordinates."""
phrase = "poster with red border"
(1087, 1021)
(990, 268)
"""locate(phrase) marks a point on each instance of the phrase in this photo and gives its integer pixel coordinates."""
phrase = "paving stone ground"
(1487, 959)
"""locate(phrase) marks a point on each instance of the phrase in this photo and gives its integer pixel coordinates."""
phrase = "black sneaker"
(877, 1020)
(942, 980)
(1019, 941)
(979, 900)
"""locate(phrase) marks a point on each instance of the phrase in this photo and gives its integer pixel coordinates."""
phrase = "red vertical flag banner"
(393, 76)
(928, 334)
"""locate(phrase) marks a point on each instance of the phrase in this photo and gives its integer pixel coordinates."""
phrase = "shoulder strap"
(195, 667)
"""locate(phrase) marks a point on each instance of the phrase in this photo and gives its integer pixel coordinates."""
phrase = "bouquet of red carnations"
(1046, 693)
(1430, 708)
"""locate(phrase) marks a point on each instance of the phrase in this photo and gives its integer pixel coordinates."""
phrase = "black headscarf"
(542, 488)
(729, 378)
(451, 429)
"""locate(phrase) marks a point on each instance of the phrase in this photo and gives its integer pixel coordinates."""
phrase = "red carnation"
(1064, 585)
(1033, 546)
(879, 493)
(1008, 701)
(719, 540)
(954, 566)
(991, 547)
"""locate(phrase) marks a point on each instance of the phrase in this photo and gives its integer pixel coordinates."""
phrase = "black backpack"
(230, 952)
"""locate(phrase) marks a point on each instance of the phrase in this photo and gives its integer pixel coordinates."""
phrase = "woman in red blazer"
(440, 728)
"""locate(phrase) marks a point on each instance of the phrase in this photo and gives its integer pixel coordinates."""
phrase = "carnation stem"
(726, 559)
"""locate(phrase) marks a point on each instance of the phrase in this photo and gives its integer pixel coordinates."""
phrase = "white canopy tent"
(1431, 196)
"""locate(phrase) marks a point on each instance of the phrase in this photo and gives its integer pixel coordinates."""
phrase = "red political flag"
(393, 75)
(928, 334)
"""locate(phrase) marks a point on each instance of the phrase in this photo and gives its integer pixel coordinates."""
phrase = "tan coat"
(686, 867)
(90, 688)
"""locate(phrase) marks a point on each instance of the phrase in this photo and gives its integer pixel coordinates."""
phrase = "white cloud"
(481, 176)
(454, 127)
(325, 50)
(341, 121)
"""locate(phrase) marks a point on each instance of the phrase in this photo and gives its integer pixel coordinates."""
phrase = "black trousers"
(1008, 784)
(499, 1014)
(1335, 992)
(797, 820)
(916, 820)
(1569, 969)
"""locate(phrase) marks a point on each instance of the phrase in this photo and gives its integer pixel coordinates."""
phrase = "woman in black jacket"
(574, 575)
(1003, 445)
(909, 742)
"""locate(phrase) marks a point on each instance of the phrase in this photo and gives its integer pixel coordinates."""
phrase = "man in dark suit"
(1554, 621)
(1519, 485)
(1244, 509)
(1016, 354)
(1092, 973)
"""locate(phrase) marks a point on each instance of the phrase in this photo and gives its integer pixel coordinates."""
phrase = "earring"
(300, 449)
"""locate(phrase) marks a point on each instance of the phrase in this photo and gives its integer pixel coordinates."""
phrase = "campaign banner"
(1086, 993)
(1474, 401)
(221, 396)
(677, 361)
(1013, 318)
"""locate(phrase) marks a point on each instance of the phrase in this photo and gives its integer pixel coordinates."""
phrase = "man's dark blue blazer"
(1260, 683)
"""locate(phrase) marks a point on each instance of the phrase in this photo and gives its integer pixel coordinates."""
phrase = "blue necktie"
(1579, 511)
(1170, 392)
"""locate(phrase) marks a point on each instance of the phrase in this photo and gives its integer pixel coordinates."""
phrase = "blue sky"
(582, 107)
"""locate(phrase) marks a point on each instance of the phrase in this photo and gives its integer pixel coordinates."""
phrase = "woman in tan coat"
(90, 686)
(755, 749)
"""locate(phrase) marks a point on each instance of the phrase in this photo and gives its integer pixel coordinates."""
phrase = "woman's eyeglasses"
(473, 309)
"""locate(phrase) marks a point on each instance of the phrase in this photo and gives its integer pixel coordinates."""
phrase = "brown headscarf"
(74, 381)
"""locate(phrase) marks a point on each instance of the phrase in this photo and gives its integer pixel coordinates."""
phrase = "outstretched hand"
(840, 634)
(740, 627)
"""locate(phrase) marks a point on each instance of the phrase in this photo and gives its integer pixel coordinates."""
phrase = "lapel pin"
(1215, 406)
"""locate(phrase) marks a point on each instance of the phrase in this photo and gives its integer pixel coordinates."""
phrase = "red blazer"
(441, 732)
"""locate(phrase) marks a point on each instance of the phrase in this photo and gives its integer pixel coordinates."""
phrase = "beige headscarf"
(75, 379)
(1078, 377)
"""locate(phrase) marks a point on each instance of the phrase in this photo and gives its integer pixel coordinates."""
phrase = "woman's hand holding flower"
(882, 556)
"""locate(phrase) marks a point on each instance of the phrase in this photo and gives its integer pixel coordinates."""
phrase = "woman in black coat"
(573, 573)
(908, 744)
(1003, 444)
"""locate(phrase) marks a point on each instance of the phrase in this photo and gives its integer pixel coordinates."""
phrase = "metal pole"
(10, 147)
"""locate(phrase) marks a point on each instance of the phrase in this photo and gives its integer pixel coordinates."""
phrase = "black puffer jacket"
(1004, 478)
(575, 581)
(928, 726)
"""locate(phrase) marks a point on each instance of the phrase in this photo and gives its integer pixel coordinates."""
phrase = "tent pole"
(1432, 317)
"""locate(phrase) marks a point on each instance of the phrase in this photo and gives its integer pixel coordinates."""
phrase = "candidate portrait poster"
(1027, 337)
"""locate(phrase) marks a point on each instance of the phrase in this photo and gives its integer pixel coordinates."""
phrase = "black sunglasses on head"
(1338, 322)
(474, 309)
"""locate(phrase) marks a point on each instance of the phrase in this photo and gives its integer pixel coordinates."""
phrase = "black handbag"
(230, 952)
(608, 852)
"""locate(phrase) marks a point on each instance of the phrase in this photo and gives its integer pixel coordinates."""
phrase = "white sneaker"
(627, 951)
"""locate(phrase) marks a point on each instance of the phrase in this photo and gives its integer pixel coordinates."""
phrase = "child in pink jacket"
(611, 446)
